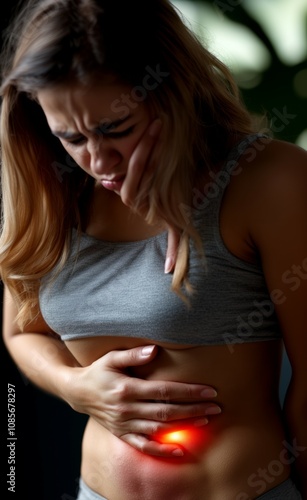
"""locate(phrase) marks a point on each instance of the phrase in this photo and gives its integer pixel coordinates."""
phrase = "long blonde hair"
(43, 193)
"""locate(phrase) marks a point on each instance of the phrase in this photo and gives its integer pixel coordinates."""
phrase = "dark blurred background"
(265, 45)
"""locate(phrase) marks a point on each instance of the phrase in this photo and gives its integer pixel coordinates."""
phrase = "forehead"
(72, 105)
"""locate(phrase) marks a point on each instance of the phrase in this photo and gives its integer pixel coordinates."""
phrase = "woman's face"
(99, 125)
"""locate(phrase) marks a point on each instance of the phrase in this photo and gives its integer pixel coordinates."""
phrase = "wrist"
(67, 383)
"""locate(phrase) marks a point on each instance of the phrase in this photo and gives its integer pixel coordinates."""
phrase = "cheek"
(82, 158)
(129, 145)
(126, 149)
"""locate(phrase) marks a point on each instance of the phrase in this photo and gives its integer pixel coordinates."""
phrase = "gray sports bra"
(120, 289)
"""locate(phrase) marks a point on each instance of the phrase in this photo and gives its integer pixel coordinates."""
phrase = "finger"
(136, 356)
(154, 428)
(172, 249)
(151, 447)
(170, 392)
(138, 162)
(146, 418)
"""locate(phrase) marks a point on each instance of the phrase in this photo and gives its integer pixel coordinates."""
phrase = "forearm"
(296, 422)
(44, 360)
(298, 450)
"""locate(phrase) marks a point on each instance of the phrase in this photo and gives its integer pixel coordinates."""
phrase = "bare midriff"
(239, 455)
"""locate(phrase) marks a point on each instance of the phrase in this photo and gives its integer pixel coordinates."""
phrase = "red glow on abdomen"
(175, 437)
(187, 437)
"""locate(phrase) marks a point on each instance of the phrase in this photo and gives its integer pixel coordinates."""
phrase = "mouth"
(114, 184)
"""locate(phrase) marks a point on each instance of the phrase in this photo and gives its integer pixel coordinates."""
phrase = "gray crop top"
(120, 289)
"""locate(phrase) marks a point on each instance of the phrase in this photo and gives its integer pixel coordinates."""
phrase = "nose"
(103, 156)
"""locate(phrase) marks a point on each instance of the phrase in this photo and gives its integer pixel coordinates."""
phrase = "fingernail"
(213, 410)
(147, 350)
(177, 453)
(155, 128)
(208, 393)
(201, 422)
(169, 263)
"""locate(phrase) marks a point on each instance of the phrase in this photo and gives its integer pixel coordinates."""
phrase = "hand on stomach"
(218, 459)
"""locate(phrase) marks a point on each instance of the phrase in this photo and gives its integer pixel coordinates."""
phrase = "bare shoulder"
(275, 190)
(274, 175)
(266, 198)
(277, 208)
(274, 148)
(281, 160)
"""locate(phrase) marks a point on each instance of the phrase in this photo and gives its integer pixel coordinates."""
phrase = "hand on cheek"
(139, 175)
(140, 166)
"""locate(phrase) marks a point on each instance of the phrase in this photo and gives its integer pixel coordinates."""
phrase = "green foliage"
(281, 90)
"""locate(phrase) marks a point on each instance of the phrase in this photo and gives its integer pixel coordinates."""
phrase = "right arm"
(128, 407)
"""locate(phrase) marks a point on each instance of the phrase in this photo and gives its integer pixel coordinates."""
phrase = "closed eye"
(118, 135)
(76, 141)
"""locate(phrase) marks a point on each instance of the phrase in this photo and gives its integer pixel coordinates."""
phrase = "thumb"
(132, 357)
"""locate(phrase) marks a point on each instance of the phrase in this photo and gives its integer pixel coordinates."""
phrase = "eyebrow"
(105, 127)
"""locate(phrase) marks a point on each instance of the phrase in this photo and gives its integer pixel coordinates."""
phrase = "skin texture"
(262, 217)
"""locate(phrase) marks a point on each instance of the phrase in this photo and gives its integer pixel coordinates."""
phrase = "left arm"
(278, 215)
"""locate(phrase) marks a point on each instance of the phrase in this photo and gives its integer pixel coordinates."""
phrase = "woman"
(124, 140)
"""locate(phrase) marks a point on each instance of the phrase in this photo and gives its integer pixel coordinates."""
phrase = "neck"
(111, 220)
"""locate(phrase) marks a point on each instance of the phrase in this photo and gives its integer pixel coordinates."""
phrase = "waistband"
(284, 491)
(86, 493)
